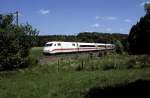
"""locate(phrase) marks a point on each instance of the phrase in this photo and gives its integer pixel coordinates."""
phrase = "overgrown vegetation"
(47, 81)
(139, 36)
(84, 62)
(15, 41)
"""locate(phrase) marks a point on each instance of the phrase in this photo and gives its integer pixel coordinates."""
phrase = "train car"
(66, 47)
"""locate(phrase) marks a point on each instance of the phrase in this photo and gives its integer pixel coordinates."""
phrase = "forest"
(93, 37)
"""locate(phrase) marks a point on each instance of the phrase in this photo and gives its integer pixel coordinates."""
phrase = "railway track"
(75, 55)
(46, 59)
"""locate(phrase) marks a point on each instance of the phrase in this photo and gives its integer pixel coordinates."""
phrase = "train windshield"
(48, 45)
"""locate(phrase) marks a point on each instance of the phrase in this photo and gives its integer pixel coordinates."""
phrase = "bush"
(139, 61)
(119, 47)
(15, 42)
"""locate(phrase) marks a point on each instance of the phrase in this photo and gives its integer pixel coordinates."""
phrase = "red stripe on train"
(72, 49)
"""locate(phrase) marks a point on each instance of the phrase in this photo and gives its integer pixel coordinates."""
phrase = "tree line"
(92, 37)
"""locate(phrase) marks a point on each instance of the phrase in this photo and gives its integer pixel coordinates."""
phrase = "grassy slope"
(45, 81)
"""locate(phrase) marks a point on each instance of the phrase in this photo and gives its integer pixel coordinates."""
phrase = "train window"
(48, 45)
(87, 45)
(101, 45)
(58, 44)
(73, 44)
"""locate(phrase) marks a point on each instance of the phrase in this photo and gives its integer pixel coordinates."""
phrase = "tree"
(15, 41)
(147, 8)
(139, 36)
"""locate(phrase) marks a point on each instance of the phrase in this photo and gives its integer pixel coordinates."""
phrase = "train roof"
(77, 42)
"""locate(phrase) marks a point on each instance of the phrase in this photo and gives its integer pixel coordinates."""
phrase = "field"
(76, 77)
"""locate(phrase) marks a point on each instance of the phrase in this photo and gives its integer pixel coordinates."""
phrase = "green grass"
(46, 81)
(36, 52)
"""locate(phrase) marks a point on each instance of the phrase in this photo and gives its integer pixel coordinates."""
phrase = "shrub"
(119, 47)
(15, 41)
(139, 61)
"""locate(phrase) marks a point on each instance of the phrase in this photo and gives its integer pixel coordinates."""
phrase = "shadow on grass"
(138, 88)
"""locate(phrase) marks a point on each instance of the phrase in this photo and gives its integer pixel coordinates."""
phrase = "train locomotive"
(55, 47)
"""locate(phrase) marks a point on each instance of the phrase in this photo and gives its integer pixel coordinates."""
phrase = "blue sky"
(74, 16)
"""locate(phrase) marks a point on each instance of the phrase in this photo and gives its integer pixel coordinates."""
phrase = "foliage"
(139, 61)
(147, 8)
(46, 38)
(96, 37)
(15, 41)
(119, 47)
(45, 81)
(139, 36)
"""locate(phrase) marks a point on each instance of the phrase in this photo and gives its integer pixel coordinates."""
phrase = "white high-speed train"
(66, 47)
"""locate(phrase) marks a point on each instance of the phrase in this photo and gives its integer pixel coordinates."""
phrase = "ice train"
(55, 47)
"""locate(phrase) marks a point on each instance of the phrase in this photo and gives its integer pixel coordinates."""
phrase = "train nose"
(46, 50)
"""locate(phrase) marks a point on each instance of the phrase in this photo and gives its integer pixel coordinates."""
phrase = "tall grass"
(70, 78)
(44, 81)
(107, 62)
(36, 52)
(35, 55)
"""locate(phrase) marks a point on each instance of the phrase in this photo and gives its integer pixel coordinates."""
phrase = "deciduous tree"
(15, 41)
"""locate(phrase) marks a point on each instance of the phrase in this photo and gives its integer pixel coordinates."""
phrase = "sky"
(69, 17)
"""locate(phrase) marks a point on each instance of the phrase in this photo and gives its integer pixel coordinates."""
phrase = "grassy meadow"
(72, 76)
